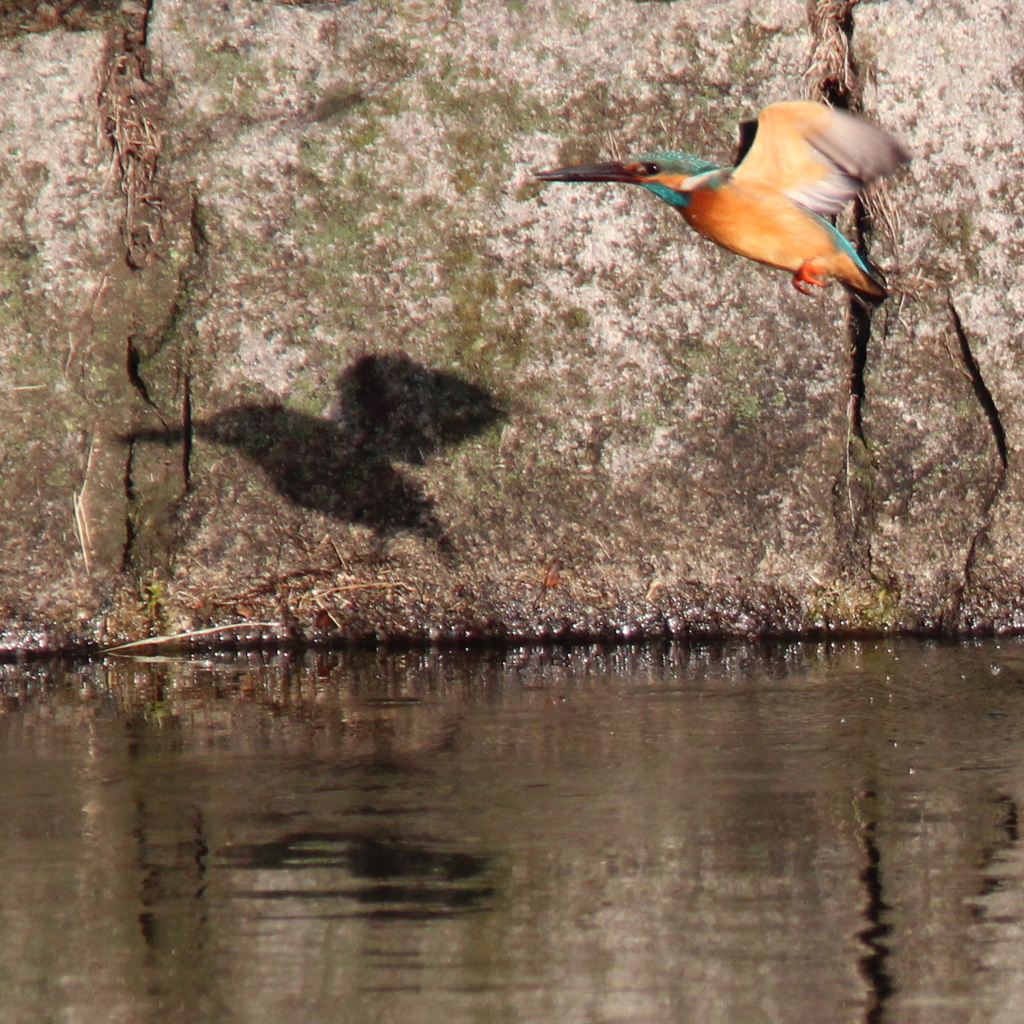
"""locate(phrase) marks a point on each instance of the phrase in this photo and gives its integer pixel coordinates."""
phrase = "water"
(817, 832)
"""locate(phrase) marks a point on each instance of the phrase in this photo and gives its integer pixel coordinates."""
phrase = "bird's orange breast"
(759, 224)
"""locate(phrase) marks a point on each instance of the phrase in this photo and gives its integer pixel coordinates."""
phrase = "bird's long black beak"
(614, 171)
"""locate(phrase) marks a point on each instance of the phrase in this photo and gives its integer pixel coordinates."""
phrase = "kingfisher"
(799, 163)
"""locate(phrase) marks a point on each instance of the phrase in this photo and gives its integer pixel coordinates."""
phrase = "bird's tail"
(866, 284)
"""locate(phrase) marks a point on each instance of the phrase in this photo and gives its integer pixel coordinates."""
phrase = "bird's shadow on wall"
(388, 409)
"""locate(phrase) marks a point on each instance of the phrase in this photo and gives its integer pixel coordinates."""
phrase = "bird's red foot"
(808, 274)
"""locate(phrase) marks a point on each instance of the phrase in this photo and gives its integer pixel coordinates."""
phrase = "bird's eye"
(651, 169)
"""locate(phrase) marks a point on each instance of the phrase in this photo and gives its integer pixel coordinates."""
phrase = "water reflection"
(719, 834)
(395, 877)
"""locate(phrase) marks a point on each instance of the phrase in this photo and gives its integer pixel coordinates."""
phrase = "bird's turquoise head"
(668, 175)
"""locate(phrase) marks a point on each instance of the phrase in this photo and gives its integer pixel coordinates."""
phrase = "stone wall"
(291, 339)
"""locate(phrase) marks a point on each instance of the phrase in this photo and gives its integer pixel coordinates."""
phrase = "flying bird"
(805, 162)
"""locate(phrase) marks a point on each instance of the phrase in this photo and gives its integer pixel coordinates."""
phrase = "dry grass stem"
(189, 634)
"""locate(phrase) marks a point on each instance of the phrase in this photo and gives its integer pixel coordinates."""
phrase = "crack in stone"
(129, 107)
(200, 246)
(859, 328)
(991, 411)
(170, 401)
(981, 391)
(187, 432)
(832, 77)
(133, 362)
(831, 73)
(158, 367)
(129, 519)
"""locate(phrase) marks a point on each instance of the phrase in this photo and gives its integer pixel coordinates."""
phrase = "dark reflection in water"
(819, 832)
(399, 878)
